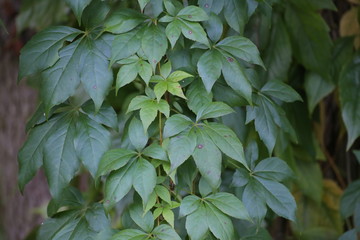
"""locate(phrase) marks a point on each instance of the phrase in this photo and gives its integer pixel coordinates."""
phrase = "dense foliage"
(185, 116)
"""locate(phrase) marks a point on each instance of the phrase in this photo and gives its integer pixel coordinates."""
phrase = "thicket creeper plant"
(156, 102)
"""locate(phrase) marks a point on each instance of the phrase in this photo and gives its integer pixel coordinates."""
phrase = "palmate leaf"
(42, 50)
(209, 68)
(78, 7)
(84, 223)
(235, 13)
(154, 44)
(125, 45)
(280, 91)
(195, 225)
(181, 147)
(123, 20)
(144, 179)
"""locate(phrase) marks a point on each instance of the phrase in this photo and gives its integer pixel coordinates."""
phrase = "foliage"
(186, 117)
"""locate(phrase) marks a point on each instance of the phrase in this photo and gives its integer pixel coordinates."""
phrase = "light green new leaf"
(123, 20)
(165, 232)
(280, 91)
(42, 51)
(349, 86)
(278, 198)
(189, 204)
(148, 113)
(169, 216)
(93, 140)
(163, 193)
(60, 159)
(242, 48)
(235, 76)
(178, 76)
(137, 102)
(165, 69)
(219, 224)
(144, 179)
(229, 204)
(160, 89)
(125, 45)
(193, 31)
(208, 159)
(195, 225)
(113, 160)
(145, 71)
(126, 75)
(144, 221)
(235, 13)
(130, 234)
(31, 153)
(78, 7)
(138, 136)
(213, 110)
(60, 81)
(154, 44)
(209, 68)
(226, 140)
(193, 14)
(316, 88)
(176, 124)
(173, 31)
(180, 149)
(273, 169)
(175, 89)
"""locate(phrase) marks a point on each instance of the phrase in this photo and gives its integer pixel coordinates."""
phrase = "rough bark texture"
(17, 102)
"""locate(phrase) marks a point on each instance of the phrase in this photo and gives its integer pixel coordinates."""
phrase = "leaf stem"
(160, 129)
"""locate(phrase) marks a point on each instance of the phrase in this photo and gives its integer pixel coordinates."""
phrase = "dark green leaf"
(189, 204)
(209, 68)
(144, 221)
(213, 110)
(214, 27)
(254, 200)
(42, 51)
(165, 232)
(180, 148)
(273, 169)
(219, 224)
(350, 199)
(154, 44)
(241, 47)
(235, 13)
(144, 179)
(114, 160)
(195, 225)
(130, 234)
(193, 14)
(281, 91)
(176, 124)
(123, 20)
(125, 45)
(229, 204)
(106, 114)
(126, 75)
(94, 15)
(138, 136)
(197, 96)
(78, 7)
(193, 31)
(155, 151)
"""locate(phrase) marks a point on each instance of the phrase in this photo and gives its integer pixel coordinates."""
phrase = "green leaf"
(154, 44)
(106, 114)
(193, 31)
(42, 51)
(173, 31)
(215, 6)
(148, 113)
(71, 198)
(193, 14)
(114, 160)
(235, 76)
(165, 69)
(240, 178)
(189, 205)
(96, 76)
(213, 110)
(242, 48)
(229, 204)
(195, 225)
(254, 200)
(278, 198)
(126, 75)
(350, 199)
(118, 184)
(138, 136)
(165, 232)
(226, 140)
(197, 96)
(31, 153)
(60, 81)
(163, 193)
(78, 7)
(155, 151)
(143, 3)
(144, 179)
(273, 169)
(125, 45)
(219, 224)
(235, 13)
(280, 91)
(214, 27)
(93, 141)
(60, 160)
(169, 216)
(75, 224)
(208, 159)
(175, 89)
(145, 71)
(95, 14)
(160, 89)
(311, 41)
(144, 221)
(176, 124)
(316, 88)
(349, 86)
(137, 102)
(123, 20)
(130, 234)
(209, 68)
(180, 149)
(178, 76)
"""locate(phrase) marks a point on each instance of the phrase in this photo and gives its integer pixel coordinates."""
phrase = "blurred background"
(19, 20)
